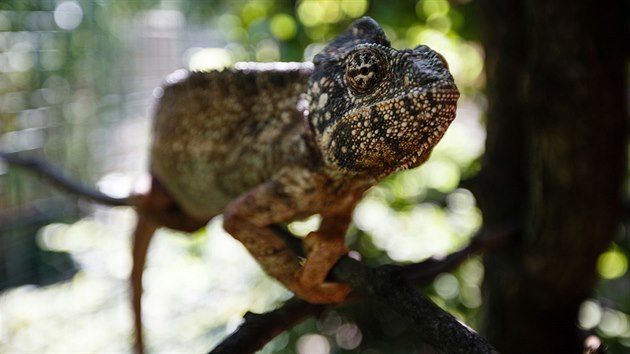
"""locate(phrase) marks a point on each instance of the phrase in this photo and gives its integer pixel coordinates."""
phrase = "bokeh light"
(612, 263)
(68, 15)
(354, 8)
(313, 344)
(283, 26)
(205, 59)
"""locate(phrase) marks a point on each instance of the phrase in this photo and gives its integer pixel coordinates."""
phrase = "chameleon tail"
(58, 178)
(141, 239)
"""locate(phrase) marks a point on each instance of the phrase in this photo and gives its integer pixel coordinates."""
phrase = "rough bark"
(388, 286)
(555, 162)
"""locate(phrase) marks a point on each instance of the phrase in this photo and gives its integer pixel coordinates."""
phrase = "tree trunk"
(554, 162)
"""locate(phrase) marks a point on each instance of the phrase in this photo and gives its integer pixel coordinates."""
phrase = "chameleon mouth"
(429, 112)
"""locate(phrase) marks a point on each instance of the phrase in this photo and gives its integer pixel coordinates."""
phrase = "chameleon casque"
(267, 144)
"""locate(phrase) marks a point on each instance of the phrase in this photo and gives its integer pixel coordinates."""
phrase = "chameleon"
(265, 144)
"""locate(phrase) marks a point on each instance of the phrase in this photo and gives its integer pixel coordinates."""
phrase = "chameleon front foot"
(323, 252)
(322, 293)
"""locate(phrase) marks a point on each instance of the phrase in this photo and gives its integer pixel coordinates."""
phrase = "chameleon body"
(267, 144)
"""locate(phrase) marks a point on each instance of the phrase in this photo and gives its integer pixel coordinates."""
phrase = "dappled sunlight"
(85, 315)
(196, 286)
(68, 15)
(612, 264)
(610, 322)
(283, 26)
(317, 12)
(206, 59)
(408, 236)
(313, 344)
(446, 286)
(464, 141)
(303, 227)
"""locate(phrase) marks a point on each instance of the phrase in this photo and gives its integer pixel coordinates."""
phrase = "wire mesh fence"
(76, 88)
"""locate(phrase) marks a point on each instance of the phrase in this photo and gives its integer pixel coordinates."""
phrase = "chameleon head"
(375, 109)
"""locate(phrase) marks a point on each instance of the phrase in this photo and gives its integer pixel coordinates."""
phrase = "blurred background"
(76, 86)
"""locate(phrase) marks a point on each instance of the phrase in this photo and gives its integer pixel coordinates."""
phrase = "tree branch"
(59, 179)
(434, 325)
(390, 285)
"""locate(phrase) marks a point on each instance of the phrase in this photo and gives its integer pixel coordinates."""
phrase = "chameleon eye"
(364, 70)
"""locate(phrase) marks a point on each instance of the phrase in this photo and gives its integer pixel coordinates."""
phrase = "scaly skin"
(268, 144)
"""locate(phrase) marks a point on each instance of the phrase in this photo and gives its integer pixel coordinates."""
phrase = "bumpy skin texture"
(268, 144)
(219, 134)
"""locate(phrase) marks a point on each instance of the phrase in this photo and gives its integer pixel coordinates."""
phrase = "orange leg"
(324, 248)
(248, 219)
